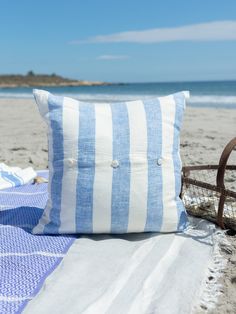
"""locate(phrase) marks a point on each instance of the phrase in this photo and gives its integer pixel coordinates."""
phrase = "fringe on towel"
(211, 288)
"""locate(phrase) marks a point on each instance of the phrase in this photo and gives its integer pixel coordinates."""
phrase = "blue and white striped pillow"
(114, 167)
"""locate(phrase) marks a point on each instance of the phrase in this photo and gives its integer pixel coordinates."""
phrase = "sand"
(23, 142)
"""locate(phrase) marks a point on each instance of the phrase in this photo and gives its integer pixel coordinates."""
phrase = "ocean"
(221, 94)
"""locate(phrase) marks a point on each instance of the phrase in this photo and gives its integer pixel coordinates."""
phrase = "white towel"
(14, 176)
(136, 274)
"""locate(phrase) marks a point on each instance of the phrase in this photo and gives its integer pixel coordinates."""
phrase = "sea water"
(220, 94)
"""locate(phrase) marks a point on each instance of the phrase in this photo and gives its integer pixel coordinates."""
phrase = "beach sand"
(206, 131)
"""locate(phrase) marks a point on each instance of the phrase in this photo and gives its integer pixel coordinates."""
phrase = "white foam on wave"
(15, 95)
(205, 100)
(213, 99)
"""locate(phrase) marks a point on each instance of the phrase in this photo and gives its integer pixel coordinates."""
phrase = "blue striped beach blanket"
(25, 259)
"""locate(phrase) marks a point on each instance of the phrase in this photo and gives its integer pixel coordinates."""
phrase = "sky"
(120, 41)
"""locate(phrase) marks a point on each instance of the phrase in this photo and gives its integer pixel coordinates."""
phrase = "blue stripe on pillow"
(86, 169)
(121, 174)
(179, 105)
(55, 106)
(154, 151)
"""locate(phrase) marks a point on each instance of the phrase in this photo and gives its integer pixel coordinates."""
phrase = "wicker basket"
(204, 190)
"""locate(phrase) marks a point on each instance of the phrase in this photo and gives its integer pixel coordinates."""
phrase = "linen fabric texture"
(113, 167)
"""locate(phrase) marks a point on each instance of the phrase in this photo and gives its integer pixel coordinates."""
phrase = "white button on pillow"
(159, 161)
(115, 163)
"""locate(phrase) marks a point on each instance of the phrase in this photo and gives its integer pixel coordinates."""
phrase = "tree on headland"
(30, 73)
(33, 79)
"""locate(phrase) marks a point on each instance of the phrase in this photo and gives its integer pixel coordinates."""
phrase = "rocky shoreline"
(43, 80)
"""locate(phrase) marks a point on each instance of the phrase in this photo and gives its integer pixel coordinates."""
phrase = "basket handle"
(220, 178)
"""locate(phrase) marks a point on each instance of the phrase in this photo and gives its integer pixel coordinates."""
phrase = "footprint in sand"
(16, 149)
(210, 137)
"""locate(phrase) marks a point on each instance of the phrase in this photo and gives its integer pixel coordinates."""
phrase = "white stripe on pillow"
(170, 213)
(138, 165)
(102, 194)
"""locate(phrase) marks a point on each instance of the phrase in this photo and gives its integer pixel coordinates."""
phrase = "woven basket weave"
(204, 191)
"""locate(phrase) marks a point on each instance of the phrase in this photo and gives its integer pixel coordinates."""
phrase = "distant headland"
(37, 80)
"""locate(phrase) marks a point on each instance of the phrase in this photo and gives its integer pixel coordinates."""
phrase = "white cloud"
(211, 31)
(112, 57)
